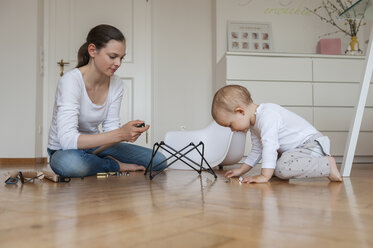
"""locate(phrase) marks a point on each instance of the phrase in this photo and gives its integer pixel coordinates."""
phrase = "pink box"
(329, 46)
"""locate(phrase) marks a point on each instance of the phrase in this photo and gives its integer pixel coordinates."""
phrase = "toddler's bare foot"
(334, 174)
(128, 167)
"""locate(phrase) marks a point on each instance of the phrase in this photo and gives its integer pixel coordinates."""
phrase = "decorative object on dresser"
(329, 46)
(329, 12)
(249, 37)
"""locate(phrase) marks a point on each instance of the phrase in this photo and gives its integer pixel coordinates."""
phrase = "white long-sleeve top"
(276, 129)
(74, 113)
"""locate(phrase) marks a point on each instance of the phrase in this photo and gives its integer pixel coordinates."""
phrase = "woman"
(86, 97)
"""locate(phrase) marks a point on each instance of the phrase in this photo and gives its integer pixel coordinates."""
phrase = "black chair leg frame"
(179, 155)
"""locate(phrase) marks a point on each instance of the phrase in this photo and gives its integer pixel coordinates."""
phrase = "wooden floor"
(182, 209)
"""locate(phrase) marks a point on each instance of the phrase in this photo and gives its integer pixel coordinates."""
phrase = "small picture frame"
(249, 37)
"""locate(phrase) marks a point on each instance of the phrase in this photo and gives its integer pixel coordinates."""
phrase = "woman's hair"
(99, 36)
(229, 98)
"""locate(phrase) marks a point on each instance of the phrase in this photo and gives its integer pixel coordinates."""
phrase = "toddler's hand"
(255, 179)
(233, 173)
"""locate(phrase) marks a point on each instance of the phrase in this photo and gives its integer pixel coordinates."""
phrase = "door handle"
(62, 65)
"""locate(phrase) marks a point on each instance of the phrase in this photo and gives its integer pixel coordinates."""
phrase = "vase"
(353, 48)
(354, 44)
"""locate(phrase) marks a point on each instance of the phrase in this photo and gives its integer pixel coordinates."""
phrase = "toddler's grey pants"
(308, 160)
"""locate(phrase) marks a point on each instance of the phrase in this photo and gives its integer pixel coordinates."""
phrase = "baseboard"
(339, 159)
(22, 161)
(357, 159)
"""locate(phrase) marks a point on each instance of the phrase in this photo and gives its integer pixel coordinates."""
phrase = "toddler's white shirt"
(74, 113)
(276, 128)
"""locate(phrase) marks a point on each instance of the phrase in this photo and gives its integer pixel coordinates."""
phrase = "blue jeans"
(81, 163)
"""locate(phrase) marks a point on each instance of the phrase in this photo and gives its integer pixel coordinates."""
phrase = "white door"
(67, 23)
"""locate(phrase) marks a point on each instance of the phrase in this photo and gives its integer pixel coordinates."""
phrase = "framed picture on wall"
(249, 37)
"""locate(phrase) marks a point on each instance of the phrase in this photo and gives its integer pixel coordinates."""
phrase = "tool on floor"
(55, 178)
(12, 178)
(25, 176)
(107, 174)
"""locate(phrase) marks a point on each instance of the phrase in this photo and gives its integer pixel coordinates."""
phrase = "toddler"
(288, 145)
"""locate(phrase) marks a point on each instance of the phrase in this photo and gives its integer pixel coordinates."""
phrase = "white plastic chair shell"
(222, 146)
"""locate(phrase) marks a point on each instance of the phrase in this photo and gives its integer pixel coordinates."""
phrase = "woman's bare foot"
(334, 174)
(128, 167)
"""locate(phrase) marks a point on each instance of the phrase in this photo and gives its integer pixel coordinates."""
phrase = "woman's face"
(108, 59)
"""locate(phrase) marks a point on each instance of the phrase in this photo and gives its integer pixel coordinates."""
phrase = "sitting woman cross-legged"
(86, 97)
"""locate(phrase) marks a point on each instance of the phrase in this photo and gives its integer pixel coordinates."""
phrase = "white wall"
(182, 64)
(20, 34)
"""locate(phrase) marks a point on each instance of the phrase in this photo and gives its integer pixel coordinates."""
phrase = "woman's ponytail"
(83, 55)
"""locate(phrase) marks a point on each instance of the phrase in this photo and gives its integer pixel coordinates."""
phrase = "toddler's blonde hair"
(229, 98)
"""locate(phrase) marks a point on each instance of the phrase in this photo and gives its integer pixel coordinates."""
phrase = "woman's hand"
(130, 132)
